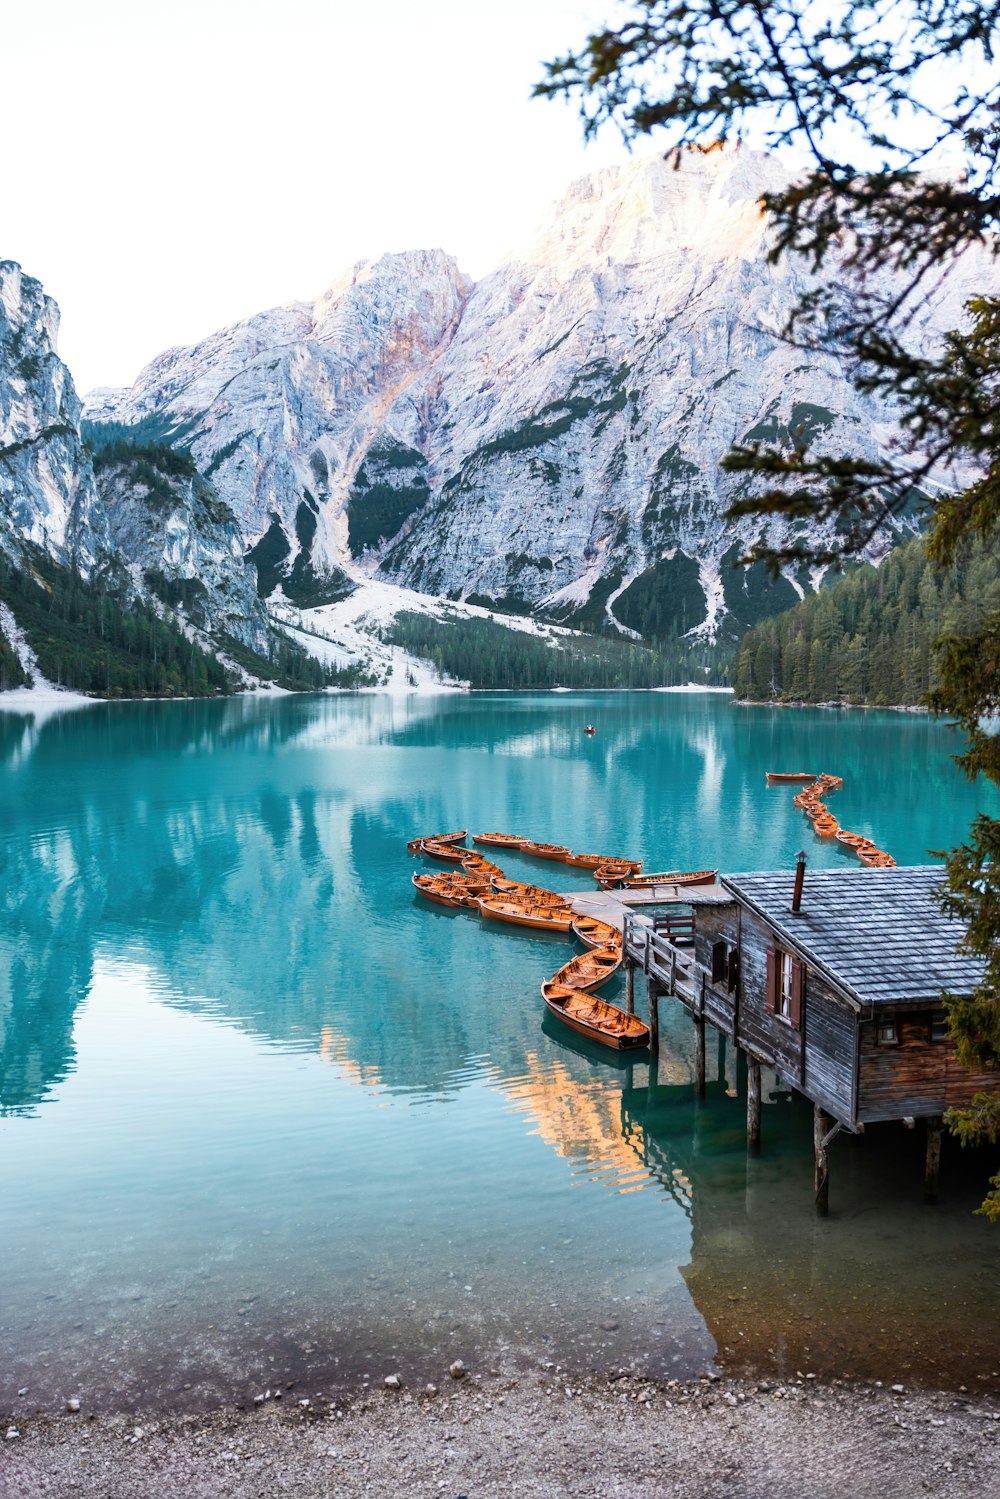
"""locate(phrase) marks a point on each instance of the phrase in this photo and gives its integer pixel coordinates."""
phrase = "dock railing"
(663, 947)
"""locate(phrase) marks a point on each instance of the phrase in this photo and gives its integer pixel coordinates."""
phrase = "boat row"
(482, 887)
(558, 853)
(810, 801)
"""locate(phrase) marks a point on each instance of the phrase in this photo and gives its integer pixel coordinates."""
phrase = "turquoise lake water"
(265, 1116)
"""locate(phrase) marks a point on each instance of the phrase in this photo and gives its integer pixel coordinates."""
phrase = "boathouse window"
(939, 1026)
(886, 1032)
(720, 955)
(725, 964)
(785, 985)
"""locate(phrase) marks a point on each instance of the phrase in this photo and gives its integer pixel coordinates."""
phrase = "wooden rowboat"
(672, 877)
(415, 844)
(454, 877)
(531, 894)
(602, 861)
(448, 853)
(499, 840)
(608, 876)
(779, 776)
(876, 858)
(593, 1017)
(593, 932)
(854, 840)
(588, 970)
(520, 913)
(475, 864)
(554, 851)
(447, 892)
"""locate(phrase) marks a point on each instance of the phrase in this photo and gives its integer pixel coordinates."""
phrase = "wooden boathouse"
(834, 980)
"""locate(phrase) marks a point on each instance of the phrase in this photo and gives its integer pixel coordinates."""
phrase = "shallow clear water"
(266, 1116)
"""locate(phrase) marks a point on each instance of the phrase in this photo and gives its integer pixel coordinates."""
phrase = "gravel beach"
(487, 1435)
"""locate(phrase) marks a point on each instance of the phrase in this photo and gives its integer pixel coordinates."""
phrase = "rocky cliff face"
(148, 521)
(550, 437)
(282, 411)
(183, 545)
(47, 492)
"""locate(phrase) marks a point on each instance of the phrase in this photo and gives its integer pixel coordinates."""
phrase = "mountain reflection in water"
(264, 1108)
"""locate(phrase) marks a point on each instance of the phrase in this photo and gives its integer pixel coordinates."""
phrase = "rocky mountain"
(548, 439)
(135, 528)
(47, 493)
(181, 541)
(289, 410)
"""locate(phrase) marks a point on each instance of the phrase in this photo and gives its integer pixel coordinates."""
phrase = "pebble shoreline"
(482, 1434)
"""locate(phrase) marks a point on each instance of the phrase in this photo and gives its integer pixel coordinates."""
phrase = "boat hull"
(587, 971)
(552, 851)
(445, 853)
(416, 844)
(533, 894)
(593, 1018)
(444, 890)
(593, 932)
(547, 919)
(672, 877)
(779, 777)
(498, 840)
(599, 861)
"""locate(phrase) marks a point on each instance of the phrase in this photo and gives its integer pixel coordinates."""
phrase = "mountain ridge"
(547, 438)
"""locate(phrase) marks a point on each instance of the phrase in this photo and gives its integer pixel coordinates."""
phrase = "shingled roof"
(877, 933)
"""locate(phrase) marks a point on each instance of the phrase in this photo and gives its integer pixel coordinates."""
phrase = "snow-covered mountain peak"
(653, 207)
(552, 434)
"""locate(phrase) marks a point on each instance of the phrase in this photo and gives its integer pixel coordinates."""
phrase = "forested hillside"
(489, 655)
(90, 636)
(86, 636)
(870, 636)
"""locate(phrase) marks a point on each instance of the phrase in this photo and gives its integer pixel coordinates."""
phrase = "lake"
(267, 1119)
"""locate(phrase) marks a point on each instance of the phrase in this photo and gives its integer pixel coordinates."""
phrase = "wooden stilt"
(630, 986)
(721, 1062)
(932, 1161)
(821, 1126)
(699, 1056)
(753, 1104)
(654, 1018)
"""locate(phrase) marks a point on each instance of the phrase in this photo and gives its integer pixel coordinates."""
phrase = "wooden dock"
(613, 906)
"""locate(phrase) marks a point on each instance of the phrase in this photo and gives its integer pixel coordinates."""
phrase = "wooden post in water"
(821, 1125)
(630, 986)
(753, 1104)
(699, 1056)
(699, 1044)
(932, 1161)
(654, 1017)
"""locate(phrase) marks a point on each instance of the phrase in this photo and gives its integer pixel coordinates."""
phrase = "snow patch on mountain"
(347, 633)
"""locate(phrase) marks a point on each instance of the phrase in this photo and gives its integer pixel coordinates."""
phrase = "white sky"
(172, 167)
